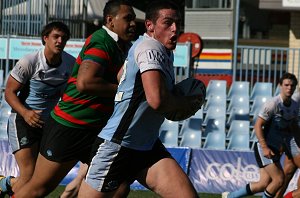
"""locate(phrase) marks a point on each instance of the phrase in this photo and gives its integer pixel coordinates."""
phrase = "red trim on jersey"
(97, 52)
(72, 80)
(98, 107)
(78, 60)
(289, 195)
(88, 40)
(68, 117)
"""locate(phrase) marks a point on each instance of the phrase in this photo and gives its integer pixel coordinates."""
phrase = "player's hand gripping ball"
(196, 92)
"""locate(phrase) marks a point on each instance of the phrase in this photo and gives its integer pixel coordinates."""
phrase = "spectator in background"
(274, 129)
(129, 147)
(87, 102)
(33, 88)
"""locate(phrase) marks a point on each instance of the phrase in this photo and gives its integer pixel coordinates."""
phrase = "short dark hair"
(55, 25)
(152, 11)
(112, 7)
(290, 77)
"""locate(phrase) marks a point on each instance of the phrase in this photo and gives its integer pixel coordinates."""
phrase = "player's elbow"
(81, 86)
(155, 103)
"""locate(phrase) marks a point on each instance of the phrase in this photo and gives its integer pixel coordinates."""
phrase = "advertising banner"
(214, 171)
(291, 3)
(3, 48)
(73, 47)
(20, 47)
(8, 164)
(182, 55)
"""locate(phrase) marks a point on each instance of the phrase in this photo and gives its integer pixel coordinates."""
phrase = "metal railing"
(208, 4)
(27, 17)
(265, 64)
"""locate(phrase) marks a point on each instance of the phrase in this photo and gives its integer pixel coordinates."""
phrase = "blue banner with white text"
(217, 171)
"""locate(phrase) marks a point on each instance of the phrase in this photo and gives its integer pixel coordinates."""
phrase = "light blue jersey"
(134, 124)
(43, 84)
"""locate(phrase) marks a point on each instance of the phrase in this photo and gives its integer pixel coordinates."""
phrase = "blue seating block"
(261, 89)
(215, 140)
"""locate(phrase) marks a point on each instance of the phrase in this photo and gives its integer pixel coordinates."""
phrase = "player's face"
(166, 28)
(124, 23)
(288, 87)
(55, 41)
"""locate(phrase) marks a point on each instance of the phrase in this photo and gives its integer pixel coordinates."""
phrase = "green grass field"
(138, 194)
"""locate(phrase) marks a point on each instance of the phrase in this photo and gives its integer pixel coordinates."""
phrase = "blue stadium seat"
(1, 78)
(5, 109)
(168, 133)
(239, 127)
(253, 120)
(192, 124)
(191, 139)
(238, 114)
(6, 78)
(261, 89)
(239, 142)
(277, 90)
(240, 88)
(198, 114)
(253, 135)
(253, 138)
(169, 138)
(216, 87)
(215, 140)
(214, 113)
(170, 125)
(238, 102)
(216, 125)
(214, 101)
(258, 103)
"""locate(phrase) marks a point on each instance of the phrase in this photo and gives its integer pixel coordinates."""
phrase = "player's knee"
(122, 191)
(289, 169)
(278, 181)
(40, 190)
(24, 178)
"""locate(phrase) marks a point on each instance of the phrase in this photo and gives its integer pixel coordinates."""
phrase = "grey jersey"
(134, 124)
(43, 84)
(279, 117)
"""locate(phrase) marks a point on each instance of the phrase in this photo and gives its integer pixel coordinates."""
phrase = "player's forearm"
(172, 103)
(260, 137)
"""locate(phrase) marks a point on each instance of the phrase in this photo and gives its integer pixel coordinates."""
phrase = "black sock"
(248, 189)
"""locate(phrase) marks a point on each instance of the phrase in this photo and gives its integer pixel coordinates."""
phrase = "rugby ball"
(188, 87)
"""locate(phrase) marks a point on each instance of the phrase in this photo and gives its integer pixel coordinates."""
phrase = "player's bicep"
(88, 71)
(154, 87)
(13, 85)
(260, 122)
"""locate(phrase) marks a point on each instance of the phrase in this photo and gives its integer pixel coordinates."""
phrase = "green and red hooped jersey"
(79, 110)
